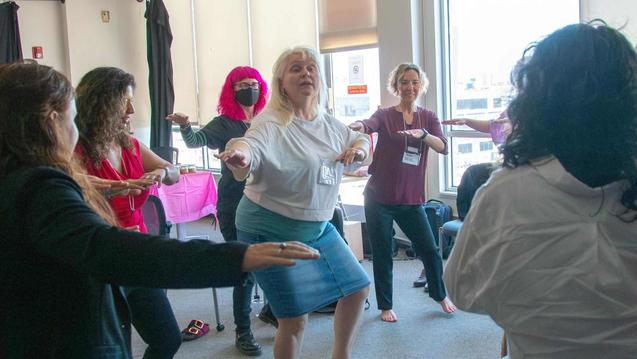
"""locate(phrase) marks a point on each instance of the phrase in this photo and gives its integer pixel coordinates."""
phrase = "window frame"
(443, 68)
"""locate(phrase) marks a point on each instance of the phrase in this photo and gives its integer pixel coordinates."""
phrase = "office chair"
(170, 154)
(155, 219)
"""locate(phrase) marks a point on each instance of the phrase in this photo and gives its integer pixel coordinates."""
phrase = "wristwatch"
(424, 133)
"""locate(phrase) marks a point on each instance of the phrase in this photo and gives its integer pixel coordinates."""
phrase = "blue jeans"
(241, 295)
(412, 220)
(154, 320)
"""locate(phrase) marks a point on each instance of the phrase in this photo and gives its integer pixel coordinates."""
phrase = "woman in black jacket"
(62, 260)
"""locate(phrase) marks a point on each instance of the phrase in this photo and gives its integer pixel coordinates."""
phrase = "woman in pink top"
(104, 106)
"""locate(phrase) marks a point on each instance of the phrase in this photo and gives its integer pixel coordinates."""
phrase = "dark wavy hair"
(101, 105)
(28, 95)
(228, 106)
(577, 100)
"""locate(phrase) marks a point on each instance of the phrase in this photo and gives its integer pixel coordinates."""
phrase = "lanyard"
(416, 119)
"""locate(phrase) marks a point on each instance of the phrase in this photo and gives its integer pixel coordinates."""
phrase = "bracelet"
(425, 133)
(184, 127)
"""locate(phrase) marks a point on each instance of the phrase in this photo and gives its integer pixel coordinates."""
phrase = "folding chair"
(155, 219)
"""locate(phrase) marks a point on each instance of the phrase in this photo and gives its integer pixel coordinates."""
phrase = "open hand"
(350, 155)
(455, 122)
(264, 255)
(233, 158)
(153, 177)
(178, 118)
(415, 133)
(117, 187)
(357, 126)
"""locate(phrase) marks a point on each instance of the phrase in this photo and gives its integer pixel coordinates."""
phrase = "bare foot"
(447, 305)
(388, 316)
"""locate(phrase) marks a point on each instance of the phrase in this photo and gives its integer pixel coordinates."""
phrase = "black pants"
(241, 296)
(412, 220)
(154, 320)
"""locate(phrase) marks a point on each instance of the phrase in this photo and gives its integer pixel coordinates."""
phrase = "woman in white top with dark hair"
(549, 248)
(294, 154)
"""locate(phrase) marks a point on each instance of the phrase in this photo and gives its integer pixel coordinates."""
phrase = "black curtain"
(160, 77)
(10, 47)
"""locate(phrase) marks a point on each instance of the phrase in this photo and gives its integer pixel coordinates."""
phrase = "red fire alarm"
(37, 52)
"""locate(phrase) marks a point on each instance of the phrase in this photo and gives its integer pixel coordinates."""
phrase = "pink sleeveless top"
(127, 208)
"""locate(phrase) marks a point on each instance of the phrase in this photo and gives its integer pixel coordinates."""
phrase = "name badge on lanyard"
(411, 156)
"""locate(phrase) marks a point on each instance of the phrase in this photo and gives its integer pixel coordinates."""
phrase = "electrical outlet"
(106, 16)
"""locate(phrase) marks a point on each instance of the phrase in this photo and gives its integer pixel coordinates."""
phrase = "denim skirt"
(310, 284)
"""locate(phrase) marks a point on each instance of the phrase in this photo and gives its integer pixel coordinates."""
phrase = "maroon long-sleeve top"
(394, 182)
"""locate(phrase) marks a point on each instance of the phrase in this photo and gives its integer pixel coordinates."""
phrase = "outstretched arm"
(237, 158)
(478, 125)
(156, 168)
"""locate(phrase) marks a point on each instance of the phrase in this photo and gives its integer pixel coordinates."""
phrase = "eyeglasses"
(406, 82)
(245, 85)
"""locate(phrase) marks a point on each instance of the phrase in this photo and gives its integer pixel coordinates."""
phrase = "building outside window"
(482, 41)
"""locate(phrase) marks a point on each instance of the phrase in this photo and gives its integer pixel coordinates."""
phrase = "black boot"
(247, 345)
(267, 316)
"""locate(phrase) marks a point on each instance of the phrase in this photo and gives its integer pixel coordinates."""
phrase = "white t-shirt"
(286, 164)
(548, 258)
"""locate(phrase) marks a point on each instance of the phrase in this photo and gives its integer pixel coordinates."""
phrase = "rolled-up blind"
(347, 24)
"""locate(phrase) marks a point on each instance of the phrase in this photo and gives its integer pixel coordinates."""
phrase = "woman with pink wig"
(243, 96)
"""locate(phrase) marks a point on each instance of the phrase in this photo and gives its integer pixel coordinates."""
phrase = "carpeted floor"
(423, 330)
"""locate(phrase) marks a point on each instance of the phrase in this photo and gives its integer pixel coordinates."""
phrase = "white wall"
(280, 24)
(616, 13)
(121, 42)
(222, 44)
(42, 23)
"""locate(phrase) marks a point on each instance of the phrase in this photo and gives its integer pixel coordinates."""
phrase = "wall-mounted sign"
(37, 52)
(356, 73)
(356, 89)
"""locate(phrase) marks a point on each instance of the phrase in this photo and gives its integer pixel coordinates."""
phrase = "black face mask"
(247, 97)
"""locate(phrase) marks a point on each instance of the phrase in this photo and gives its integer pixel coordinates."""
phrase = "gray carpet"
(423, 330)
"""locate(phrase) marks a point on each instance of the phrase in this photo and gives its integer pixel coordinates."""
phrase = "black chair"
(170, 154)
(472, 179)
(155, 217)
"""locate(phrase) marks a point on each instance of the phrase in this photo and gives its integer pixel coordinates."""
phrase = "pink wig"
(228, 106)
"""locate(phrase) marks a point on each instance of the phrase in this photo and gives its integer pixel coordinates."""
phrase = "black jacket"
(58, 257)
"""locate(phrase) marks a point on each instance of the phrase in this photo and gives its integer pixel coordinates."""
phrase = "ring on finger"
(282, 246)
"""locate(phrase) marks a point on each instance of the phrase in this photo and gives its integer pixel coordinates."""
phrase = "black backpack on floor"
(438, 213)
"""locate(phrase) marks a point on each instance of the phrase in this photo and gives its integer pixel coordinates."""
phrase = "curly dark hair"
(101, 104)
(577, 100)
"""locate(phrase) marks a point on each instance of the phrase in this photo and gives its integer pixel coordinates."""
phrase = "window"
(354, 84)
(486, 146)
(187, 156)
(465, 147)
(482, 41)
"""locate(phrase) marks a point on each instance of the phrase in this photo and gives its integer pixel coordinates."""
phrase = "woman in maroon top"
(396, 190)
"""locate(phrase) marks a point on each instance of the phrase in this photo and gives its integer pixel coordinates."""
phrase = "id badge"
(411, 156)
(327, 173)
